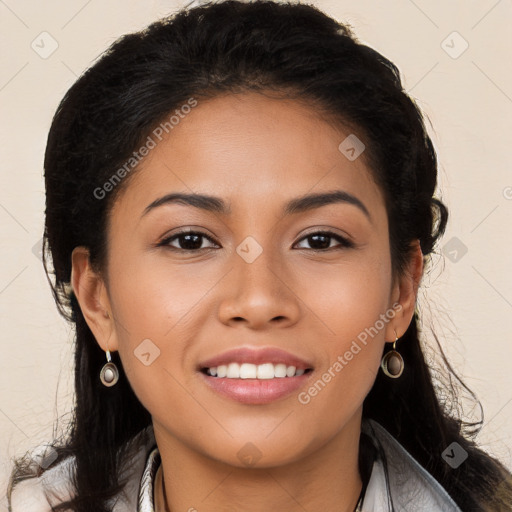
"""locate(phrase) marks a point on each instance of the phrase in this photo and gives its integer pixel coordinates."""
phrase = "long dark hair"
(228, 47)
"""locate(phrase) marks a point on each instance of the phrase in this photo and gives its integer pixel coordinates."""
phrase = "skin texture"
(256, 152)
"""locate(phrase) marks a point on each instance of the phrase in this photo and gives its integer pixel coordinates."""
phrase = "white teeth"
(233, 371)
(280, 370)
(266, 371)
(248, 371)
(290, 371)
(252, 371)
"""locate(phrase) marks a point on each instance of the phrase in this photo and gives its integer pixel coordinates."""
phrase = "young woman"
(239, 213)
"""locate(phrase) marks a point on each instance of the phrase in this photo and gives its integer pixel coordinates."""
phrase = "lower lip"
(256, 391)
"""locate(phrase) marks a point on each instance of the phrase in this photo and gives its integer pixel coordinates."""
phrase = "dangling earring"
(392, 363)
(109, 374)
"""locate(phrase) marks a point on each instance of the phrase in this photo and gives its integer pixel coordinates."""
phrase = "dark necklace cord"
(361, 497)
(165, 495)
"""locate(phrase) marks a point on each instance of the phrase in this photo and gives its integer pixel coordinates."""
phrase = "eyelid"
(328, 231)
(185, 231)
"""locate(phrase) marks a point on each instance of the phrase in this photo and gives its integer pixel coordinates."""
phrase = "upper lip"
(256, 356)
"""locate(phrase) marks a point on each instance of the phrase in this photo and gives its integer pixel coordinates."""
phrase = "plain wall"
(467, 96)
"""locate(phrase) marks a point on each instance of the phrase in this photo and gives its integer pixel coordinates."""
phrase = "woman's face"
(251, 278)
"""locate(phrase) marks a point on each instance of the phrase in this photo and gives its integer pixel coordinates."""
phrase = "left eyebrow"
(202, 201)
(296, 205)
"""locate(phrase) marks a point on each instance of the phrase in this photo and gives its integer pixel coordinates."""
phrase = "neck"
(326, 479)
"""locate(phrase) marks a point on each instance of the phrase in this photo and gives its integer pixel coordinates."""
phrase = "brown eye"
(188, 241)
(321, 241)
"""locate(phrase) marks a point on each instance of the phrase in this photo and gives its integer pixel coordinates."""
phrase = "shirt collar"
(146, 503)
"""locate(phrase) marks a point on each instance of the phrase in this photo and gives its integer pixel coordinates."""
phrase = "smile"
(230, 382)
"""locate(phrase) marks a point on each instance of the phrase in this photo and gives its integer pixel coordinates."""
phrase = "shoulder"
(37, 494)
(55, 484)
(411, 487)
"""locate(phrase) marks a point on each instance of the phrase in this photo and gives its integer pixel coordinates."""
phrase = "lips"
(258, 356)
(254, 391)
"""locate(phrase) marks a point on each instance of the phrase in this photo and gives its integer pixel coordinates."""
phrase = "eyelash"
(344, 243)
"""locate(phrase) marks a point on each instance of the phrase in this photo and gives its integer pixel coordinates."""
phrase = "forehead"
(250, 149)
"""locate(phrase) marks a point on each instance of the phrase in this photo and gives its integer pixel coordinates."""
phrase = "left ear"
(405, 292)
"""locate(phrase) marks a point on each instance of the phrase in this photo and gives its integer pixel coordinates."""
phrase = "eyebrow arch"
(296, 205)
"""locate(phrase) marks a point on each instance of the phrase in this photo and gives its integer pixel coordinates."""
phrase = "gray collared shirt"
(411, 488)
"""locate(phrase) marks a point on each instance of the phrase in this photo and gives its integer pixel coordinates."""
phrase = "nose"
(259, 293)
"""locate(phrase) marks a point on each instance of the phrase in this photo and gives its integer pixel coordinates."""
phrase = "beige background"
(466, 95)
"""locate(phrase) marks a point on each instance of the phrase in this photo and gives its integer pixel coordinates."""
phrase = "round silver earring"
(392, 363)
(109, 374)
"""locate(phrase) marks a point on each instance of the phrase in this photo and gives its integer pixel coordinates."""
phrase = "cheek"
(353, 304)
(153, 296)
(349, 297)
(160, 311)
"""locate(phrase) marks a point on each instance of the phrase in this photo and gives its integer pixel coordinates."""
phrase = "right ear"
(91, 293)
